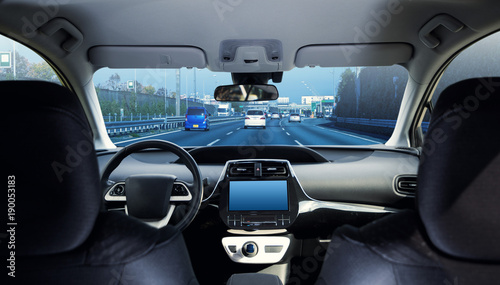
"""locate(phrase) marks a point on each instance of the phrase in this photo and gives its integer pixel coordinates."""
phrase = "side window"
(482, 59)
(17, 62)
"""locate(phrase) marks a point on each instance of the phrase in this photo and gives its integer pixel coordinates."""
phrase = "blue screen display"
(258, 195)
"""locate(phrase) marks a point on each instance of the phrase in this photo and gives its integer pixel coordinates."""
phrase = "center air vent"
(406, 184)
(274, 169)
(258, 169)
(241, 169)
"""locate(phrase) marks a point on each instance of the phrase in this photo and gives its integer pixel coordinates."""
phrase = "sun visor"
(147, 57)
(353, 55)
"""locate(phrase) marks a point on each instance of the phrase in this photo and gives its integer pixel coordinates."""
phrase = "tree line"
(30, 70)
(371, 92)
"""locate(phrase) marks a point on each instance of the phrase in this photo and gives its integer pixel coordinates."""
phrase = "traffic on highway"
(314, 110)
(312, 131)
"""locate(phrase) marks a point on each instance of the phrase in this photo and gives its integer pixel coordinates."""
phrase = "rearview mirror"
(261, 92)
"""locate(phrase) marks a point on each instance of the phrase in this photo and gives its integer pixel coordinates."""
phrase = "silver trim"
(309, 206)
(257, 232)
(110, 198)
(159, 223)
(313, 204)
(262, 257)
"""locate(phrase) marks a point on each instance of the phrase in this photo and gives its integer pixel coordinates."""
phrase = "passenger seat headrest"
(458, 193)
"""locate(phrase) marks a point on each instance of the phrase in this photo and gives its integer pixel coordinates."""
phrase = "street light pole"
(14, 58)
(178, 90)
(165, 93)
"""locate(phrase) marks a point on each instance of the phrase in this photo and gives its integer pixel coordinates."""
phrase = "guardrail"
(375, 122)
(126, 127)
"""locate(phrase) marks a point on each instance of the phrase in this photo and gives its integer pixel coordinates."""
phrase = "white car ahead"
(255, 118)
(294, 118)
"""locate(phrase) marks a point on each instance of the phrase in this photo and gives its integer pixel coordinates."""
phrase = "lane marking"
(214, 142)
(238, 129)
(287, 133)
(146, 137)
(298, 143)
(358, 137)
(283, 129)
(229, 133)
(321, 128)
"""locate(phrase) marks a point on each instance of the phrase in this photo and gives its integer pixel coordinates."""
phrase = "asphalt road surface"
(277, 132)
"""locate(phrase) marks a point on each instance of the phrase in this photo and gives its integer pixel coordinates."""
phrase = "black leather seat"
(62, 236)
(454, 237)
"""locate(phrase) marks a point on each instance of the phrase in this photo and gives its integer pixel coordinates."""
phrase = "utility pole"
(13, 59)
(135, 81)
(178, 92)
(165, 93)
(357, 89)
(195, 94)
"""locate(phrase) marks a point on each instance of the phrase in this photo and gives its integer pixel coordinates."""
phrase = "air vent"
(274, 169)
(406, 184)
(258, 169)
(241, 169)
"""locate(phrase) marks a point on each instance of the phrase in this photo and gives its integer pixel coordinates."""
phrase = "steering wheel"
(152, 197)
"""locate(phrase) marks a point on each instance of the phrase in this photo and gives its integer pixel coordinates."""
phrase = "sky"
(7, 45)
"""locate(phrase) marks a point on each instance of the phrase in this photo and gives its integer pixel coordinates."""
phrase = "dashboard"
(264, 200)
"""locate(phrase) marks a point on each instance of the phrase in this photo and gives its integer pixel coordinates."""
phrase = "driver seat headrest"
(51, 155)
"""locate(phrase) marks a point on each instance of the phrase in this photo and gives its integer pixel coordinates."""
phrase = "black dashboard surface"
(360, 175)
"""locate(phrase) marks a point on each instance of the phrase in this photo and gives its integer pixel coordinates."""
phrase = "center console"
(259, 200)
(258, 194)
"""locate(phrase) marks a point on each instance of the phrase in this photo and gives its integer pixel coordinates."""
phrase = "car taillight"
(247, 118)
(263, 118)
(186, 117)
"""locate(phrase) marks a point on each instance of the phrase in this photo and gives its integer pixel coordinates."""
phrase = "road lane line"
(287, 133)
(298, 143)
(214, 142)
(229, 133)
(358, 137)
(283, 128)
(146, 137)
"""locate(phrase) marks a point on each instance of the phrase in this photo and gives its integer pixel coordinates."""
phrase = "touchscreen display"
(268, 195)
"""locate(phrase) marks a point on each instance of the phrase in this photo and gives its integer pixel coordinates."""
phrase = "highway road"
(278, 132)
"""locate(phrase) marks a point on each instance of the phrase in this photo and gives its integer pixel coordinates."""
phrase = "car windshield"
(255, 113)
(338, 106)
(193, 111)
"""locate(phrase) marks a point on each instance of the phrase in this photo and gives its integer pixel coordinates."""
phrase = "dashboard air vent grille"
(274, 169)
(406, 185)
(241, 169)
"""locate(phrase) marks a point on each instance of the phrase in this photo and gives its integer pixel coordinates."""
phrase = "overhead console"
(258, 194)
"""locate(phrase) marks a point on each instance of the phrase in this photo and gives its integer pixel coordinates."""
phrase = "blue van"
(197, 118)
